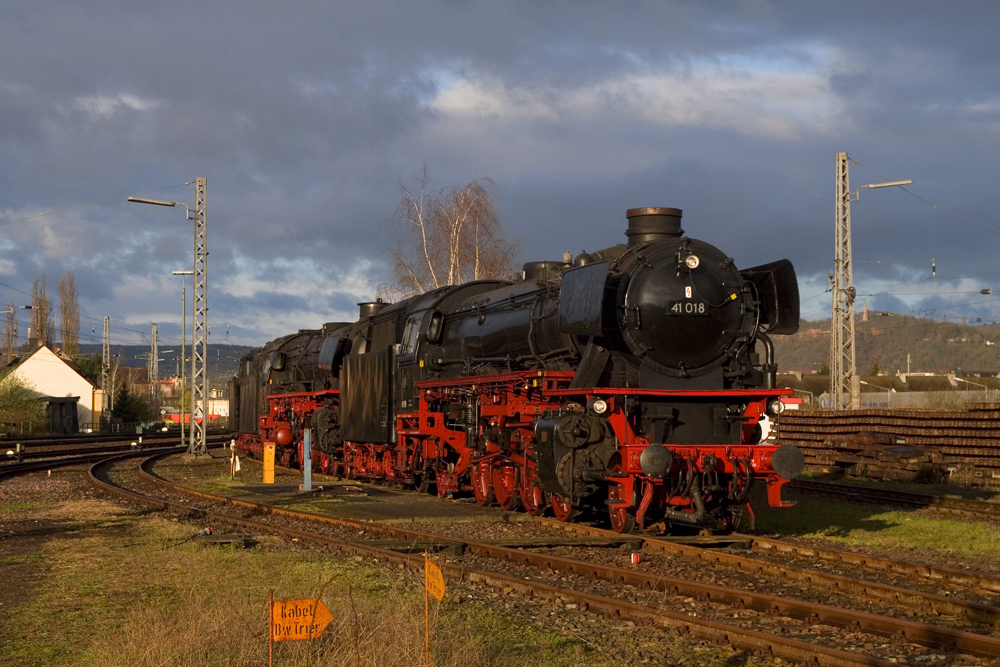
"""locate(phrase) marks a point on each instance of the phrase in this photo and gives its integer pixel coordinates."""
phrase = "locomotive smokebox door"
(686, 336)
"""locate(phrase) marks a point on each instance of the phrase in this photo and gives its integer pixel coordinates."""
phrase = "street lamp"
(843, 372)
(183, 341)
(890, 391)
(199, 337)
(985, 388)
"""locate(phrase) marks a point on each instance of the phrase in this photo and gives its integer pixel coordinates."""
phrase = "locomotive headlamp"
(692, 262)
(598, 406)
(776, 407)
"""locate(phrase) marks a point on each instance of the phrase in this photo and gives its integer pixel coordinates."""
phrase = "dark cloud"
(305, 118)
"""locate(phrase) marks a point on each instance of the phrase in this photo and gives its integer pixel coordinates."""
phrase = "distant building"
(72, 402)
(170, 387)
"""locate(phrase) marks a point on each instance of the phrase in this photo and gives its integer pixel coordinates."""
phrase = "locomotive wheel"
(622, 516)
(482, 483)
(532, 497)
(562, 507)
(505, 485)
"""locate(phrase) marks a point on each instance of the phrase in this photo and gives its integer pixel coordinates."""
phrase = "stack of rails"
(901, 444)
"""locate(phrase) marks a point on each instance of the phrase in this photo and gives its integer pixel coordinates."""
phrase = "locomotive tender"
(630, 379)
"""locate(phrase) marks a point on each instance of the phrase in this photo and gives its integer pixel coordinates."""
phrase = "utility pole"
(183, 362)
(106, 368)
(11, 339)
(154, 367)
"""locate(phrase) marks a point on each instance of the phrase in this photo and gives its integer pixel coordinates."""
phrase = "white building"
(73, 402)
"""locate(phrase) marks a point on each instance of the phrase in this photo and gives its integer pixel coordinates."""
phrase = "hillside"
(938, 347)
(222, 362)
(932, 346)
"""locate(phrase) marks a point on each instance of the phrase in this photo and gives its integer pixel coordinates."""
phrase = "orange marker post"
(433, 586)
(269, 463)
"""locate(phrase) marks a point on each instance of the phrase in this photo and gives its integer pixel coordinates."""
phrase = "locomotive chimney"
(652, 224)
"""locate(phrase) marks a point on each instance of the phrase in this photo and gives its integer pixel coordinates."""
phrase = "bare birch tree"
(453, 236)
(41, 312)
(69, 310)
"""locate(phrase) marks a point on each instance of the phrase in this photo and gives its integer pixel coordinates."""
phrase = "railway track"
(588, 564)
(21, 467)
(49, 453)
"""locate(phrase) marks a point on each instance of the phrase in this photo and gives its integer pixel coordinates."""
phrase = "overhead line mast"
(199, 346)
(845, 385)
(843, 388)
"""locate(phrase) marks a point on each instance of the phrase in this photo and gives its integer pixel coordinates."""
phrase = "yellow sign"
(269, 464)
(298, 619)
(433, 580)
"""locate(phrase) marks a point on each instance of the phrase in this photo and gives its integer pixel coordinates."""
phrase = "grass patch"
(863, 525)
(20, 506)
(21, 559)
(989, 491)
(140, 601)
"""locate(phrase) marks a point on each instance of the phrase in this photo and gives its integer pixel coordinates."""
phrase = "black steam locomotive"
(633, 378)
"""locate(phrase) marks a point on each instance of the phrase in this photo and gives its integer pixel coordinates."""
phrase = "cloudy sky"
(306, 116)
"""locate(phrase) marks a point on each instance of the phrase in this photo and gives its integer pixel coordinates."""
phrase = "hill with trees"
(892, 343)
(222, 363)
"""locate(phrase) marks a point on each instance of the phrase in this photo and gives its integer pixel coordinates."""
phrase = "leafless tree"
(453, 236)
(41, 312)
(8, 343)
(69, 309)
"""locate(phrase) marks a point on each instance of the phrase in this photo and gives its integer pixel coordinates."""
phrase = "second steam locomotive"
(632, 380)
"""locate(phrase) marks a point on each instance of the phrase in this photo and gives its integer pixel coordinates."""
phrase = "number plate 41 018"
(687, 308)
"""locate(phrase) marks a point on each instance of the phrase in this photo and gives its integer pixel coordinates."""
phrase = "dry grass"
(114, 597)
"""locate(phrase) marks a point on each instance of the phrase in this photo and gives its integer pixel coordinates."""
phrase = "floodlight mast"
(199, 340)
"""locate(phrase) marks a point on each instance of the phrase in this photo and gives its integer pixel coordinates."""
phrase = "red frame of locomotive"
(514, 401)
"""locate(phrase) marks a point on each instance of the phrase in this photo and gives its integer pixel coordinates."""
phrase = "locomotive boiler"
(629, 380)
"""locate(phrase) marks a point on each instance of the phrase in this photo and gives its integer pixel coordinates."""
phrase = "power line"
(931, 204)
